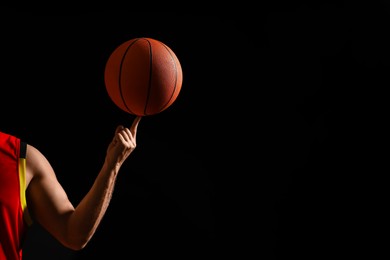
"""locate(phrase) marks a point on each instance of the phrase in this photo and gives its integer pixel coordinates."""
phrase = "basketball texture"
(143, 76)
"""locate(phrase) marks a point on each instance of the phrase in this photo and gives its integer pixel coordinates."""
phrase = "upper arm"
(46, 199)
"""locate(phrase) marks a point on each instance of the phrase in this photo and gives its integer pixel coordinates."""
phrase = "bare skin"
(49, 204)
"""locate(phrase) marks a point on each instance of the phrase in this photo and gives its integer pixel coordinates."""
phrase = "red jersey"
(14, 218)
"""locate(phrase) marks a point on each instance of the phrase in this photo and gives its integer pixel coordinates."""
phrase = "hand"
(123, 144)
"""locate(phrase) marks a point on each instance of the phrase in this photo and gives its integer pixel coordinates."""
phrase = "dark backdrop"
(259, 155)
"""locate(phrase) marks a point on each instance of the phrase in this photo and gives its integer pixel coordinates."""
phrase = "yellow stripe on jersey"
(22, 182)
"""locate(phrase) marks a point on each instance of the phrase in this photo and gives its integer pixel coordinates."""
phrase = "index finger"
(134, 125)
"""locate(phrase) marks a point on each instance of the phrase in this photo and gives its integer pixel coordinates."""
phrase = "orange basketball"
(143, 76)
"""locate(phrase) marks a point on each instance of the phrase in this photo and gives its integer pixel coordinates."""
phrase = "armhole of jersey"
(22, 183)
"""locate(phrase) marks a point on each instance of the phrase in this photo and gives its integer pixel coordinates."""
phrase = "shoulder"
(32, 153)
(36, 162)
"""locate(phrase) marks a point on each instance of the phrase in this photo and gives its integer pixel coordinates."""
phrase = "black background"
(260, 155)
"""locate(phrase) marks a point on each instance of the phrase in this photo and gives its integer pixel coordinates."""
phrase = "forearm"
(91, 209)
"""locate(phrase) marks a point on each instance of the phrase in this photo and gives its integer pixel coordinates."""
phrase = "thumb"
(119, 128)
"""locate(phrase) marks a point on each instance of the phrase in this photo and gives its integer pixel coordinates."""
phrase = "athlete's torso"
(12, 197)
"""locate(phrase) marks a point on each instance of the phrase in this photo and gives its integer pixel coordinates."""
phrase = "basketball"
(143, 76)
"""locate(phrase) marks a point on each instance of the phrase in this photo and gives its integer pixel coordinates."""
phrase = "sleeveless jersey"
(14, 218)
